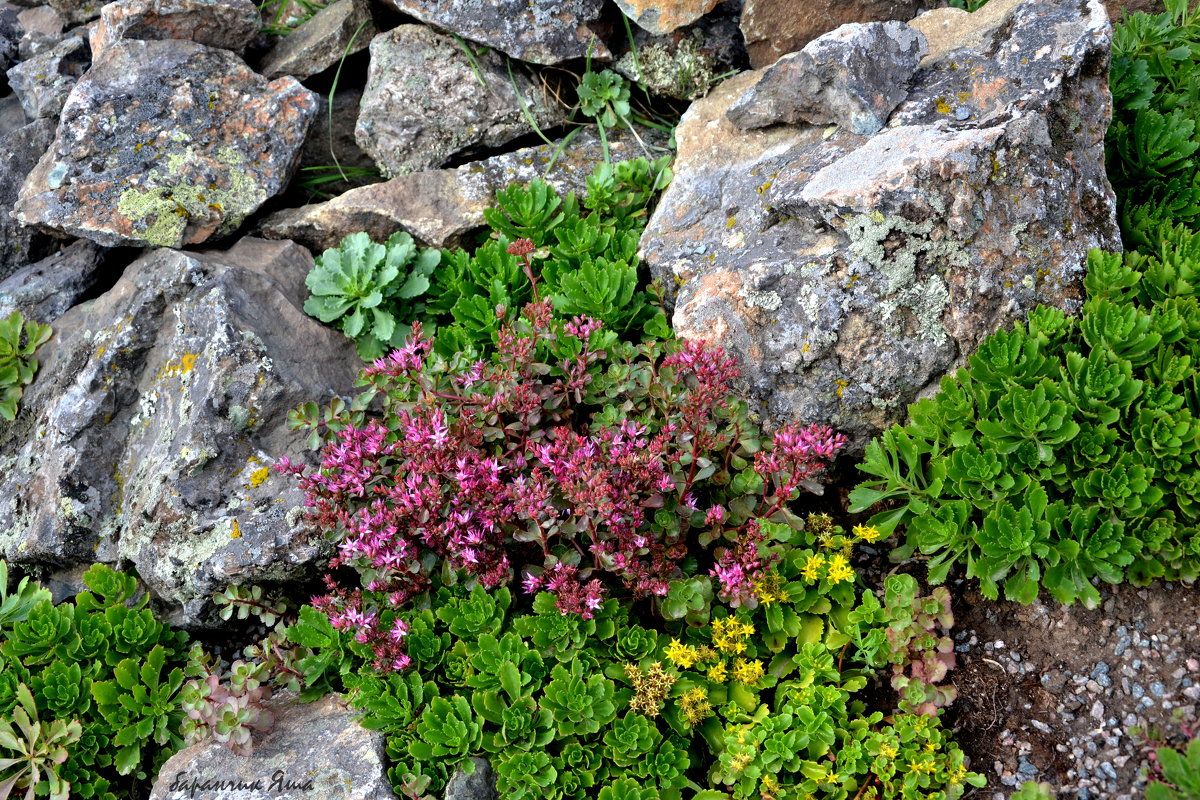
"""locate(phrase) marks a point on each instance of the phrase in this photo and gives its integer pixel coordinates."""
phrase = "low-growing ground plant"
(19, 340)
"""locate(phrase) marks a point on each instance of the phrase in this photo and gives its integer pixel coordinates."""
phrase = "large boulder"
(166, 143)
(427, 100)
(776, 27)
(443, 207)
(537, 31)
(849, 273)
(228, 24)
(148, 433)
(314, 750)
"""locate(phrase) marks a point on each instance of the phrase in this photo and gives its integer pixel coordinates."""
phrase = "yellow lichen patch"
(729, 223)
(841, 386)
(259, 476)
(235, 530)
(942, 106)
(178, 367)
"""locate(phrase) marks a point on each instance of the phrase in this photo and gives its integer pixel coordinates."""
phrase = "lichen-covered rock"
(849, 273)
(424, 103)
(664, 16)
(166, 143)
(479, 785)
(314, 750)
(19, 153)
(228, 24)
(775, 27)
(46, 290)
(853, 76)
(44, 81)
(686, 63)
(42, 28)
(321, 42)
(10, 40)
(537, 31)
(148, 433)
(441, 208)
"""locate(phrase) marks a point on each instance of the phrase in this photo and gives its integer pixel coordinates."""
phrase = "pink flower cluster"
(500, 465)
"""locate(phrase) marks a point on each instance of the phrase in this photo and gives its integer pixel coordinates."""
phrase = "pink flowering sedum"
(573, 462)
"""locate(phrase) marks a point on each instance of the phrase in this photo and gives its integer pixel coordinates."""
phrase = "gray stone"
(441, 208)
(228, 24)
(19, 153)
(46, 290)
(773, 28)
(147, 434)
(853, 76)
(10, 38)
(167, 143)
(12, 116)
(76, 12)
(44, 81)
(664, 16)
(330, 142)
(424, 102)
(321, 42)
(848, 274)
(537, 31)
(42, 28)
(314, 750)
(479, 785)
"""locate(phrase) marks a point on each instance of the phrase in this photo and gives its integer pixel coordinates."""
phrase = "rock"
(44, 81)
(849, 273)
(77, 12)
(10, 40)
(167, 143)
(853, 76)
(12, 116)
(320, 150)
(685, 64)
(228, 24)
(19, 153)
(479, 785)
(775, 27)
(149, 429)
(314, 750)
(42, 28)
(440, 208)
(321, 42)
(538, 31)
(664, 16)
(424, 103)
(45, 290)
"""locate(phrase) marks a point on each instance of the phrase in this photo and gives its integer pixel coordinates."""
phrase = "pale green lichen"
(768, 301)
(681, 70)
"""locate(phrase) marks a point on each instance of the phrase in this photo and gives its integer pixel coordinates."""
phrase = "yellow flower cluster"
(924, 765)
(867, 533)
(650, 688)
(695, 706)
(729, 635)
(747, 672)
(717, 673)
(684, 656)
(838, 568)
(768, 588)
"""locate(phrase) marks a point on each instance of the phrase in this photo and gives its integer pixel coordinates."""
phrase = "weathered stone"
(479, 785)
(228, 24)
(686, 63)
(331, 143)
(537, 31)
(148, 432)
(42, 28)
(12, 117)
(775, 27)
(10, 40)
(44, 81)
(664, 16)
(424, 103)
(440, 208)
(853, 76)
(167, 143)
(849, 273)
(314, 750)
(45, 290)
(321, 42)
(19, 153)
(77, 12)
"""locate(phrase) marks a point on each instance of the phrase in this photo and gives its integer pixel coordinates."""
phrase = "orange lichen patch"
(178, 367)
(989, 91)
(236, 531)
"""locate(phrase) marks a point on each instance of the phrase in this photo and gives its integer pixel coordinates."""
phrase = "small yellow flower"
(705, 653)
(921, 766)
(888, 751)
(839, 569)
(695, 706)
(747, 672)
(832, 777)
(717, 673)
(868, 533)
(681, 655)
(812, 568)
(768, 588)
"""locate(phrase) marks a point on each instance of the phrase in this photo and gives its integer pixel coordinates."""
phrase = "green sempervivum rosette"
(449, 731)
(514, 720)
(630, 740)
(628, 789)
(581, 705)
(522, 774)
